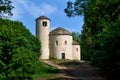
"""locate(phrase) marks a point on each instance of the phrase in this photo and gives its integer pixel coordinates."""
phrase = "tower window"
(44, 23)
(65, 42)
(56, 42)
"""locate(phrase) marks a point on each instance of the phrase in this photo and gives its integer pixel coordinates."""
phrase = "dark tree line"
(100, 38)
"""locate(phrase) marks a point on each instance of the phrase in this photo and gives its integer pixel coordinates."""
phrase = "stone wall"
(61, 44)
(76, 52)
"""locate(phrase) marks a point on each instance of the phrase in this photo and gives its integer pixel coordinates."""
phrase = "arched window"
(77, 49)
(56, 42)
(44, 23)
(65, 42)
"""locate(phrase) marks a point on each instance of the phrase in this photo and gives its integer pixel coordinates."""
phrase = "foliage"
(5, 8)
(106, 50)
(76, 8)
(19, 51)
(101, 33)
(76, 36)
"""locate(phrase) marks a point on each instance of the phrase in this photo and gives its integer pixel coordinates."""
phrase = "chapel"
(58, 43)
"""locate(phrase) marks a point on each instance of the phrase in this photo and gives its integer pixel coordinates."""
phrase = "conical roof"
(60, 31)
(43, 17)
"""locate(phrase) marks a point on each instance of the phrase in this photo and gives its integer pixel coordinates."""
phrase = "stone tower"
(42, 32)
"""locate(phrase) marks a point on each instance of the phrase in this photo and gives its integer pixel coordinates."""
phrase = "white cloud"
(48, 9)
(23, 7)
(17, 10)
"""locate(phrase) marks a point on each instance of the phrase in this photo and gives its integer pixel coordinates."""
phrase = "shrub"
(19, 51)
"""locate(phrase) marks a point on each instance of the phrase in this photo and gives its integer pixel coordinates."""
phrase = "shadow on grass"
(73, 63)
(80, 74)
(64, 79)
(77, 70)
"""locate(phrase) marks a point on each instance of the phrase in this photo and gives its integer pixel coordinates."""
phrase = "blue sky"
(28, 10)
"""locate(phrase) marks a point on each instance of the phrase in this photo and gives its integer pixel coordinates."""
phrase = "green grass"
(45, 71)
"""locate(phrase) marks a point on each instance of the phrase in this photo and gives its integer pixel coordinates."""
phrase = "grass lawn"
(45, 71)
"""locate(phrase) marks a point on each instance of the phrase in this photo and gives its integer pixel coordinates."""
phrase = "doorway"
(63, 55)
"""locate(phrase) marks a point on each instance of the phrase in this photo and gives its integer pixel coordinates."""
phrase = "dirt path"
(79, 71)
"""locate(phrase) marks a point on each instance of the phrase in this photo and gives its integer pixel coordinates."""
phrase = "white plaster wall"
(76, 52)
(42, 33)
(57, 50)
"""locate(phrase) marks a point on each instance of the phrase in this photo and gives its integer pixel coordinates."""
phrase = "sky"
(27, 11)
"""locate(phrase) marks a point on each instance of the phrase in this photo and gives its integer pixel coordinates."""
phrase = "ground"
(73, 70)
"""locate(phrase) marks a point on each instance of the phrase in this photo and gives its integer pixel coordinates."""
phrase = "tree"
(95, 13)
(76, 36)
(101, 30)
(5, 8)
(19, 51)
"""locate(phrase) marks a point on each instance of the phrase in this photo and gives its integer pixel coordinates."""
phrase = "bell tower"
(42, 32)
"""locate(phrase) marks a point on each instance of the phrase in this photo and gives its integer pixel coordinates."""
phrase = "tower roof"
(60, 31)
(43, 17)
(75, 43)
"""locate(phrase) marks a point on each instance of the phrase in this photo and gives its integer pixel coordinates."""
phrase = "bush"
(19, 51)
